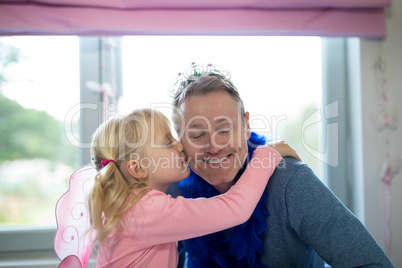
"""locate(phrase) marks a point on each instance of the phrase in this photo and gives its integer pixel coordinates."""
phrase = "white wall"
(374, 145)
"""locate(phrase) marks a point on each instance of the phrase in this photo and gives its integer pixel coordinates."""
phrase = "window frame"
(335, 90)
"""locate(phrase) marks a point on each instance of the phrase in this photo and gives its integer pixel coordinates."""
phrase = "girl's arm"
(158, 218)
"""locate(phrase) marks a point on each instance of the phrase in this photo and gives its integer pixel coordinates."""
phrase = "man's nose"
(216, 143)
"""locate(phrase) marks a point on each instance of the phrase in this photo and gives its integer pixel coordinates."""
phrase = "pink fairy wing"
(72, 216)
(71, 261)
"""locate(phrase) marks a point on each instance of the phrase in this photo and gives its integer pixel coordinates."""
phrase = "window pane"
(279, 79)
(39, 82)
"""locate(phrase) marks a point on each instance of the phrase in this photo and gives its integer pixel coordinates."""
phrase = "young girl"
(135, 222)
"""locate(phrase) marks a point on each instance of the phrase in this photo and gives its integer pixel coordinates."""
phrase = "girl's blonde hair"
(121, 139)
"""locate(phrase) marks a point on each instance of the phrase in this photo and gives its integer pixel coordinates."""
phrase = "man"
(298, 221)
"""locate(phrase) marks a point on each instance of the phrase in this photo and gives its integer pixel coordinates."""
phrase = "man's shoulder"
(290, 171)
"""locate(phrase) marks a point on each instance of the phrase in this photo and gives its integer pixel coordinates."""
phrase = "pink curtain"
(361, 18)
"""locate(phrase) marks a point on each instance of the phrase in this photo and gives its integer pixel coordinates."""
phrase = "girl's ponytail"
(107, 200)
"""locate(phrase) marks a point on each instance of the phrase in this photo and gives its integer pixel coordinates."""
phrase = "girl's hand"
(284, 149)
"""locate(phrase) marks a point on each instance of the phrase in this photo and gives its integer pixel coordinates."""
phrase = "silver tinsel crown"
(196, 71)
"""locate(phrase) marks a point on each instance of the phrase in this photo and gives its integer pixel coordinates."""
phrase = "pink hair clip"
(105, 162)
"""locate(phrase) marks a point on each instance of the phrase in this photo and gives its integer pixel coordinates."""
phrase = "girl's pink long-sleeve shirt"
(157, 221)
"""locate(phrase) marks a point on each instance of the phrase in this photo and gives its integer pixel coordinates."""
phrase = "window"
(279, 79)
(40, 83)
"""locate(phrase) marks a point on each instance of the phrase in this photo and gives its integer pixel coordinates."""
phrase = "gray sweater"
(308, 225)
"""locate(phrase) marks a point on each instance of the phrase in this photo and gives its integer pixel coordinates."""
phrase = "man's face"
(214, 137)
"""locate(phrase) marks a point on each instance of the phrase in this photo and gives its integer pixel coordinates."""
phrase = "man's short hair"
(202, 86)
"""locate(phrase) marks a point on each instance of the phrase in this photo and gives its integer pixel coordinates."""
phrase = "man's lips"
(216, 160)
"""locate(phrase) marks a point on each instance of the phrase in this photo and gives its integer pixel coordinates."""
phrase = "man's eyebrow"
(197, 125)
(223, 120)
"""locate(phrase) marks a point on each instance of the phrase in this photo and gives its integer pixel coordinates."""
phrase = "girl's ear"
(135, 170)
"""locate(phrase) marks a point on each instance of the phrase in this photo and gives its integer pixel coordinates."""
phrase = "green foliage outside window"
(35, 158)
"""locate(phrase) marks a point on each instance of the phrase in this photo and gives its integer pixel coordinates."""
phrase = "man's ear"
(135, 170)
(247, 126)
